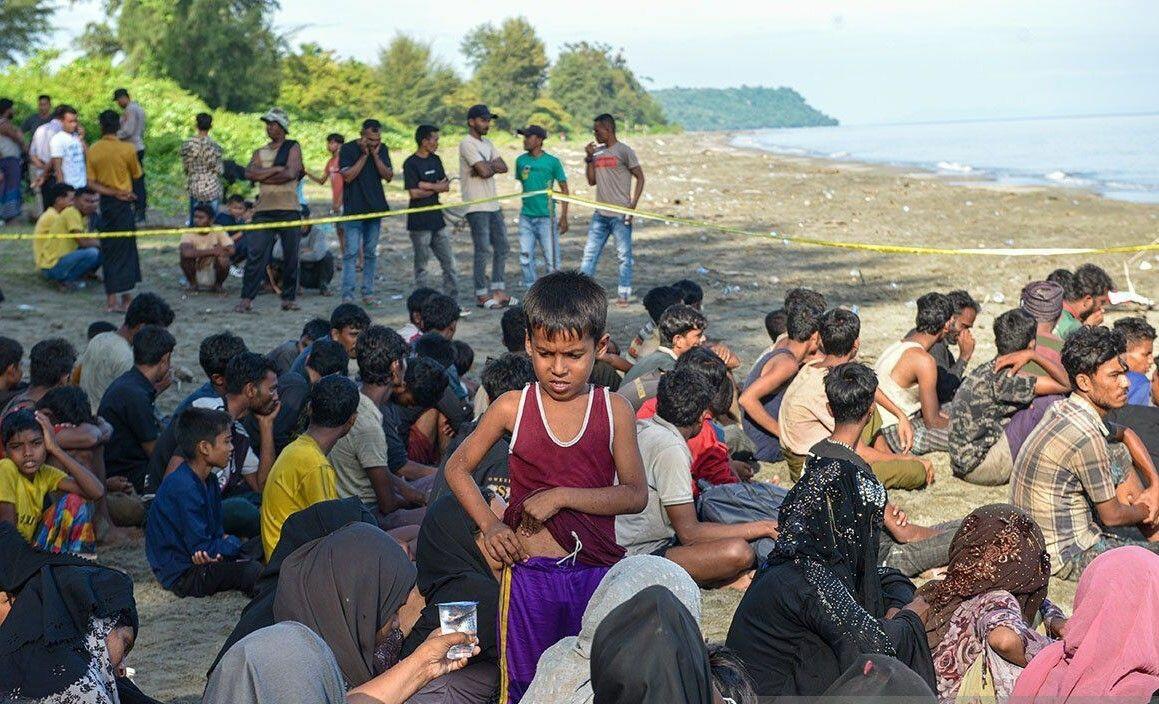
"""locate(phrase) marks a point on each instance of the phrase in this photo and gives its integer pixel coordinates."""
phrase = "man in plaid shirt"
(1072, 461)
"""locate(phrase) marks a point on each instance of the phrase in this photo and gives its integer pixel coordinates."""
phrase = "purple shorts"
(540, 602)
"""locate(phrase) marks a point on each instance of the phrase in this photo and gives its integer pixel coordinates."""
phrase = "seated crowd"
(581, 500)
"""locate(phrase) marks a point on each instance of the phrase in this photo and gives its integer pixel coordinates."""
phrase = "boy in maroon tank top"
(574, 466)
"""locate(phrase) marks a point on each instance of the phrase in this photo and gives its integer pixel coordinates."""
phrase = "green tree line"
(744, 108)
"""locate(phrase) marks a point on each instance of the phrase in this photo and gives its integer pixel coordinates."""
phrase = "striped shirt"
(1062, 471)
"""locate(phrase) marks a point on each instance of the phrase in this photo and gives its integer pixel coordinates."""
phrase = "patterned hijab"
(998, 547)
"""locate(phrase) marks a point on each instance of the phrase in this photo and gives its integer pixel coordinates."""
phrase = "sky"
(861, 61)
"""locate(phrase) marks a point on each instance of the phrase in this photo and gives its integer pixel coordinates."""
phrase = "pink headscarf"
(1110, 648)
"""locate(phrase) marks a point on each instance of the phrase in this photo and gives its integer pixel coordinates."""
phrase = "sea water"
(1115, 156)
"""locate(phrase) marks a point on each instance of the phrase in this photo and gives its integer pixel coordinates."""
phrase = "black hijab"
(19, 561)
(306, 525)
(879, 678)
(649, 650)
(42, 641)
(451, 568)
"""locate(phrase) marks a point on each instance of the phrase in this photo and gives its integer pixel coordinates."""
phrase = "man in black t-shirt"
(425, 179)
(364, 165)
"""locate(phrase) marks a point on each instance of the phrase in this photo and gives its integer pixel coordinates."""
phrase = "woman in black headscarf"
(452, 567)
(649, 650)
(823, 600)
(306, 525)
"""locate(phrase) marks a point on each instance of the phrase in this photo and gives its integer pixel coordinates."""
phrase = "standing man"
(67, 150)
(40, 173)
(479, 161)
(42, 116)
(112, 167)
(133, 131)
(364, 164)
(201, 159)
(11, 157)
(276, 168)
(538, 170)
(424, 178)
(611, 165)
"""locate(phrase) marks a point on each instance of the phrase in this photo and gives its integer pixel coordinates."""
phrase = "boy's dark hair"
(97, 327)
(1135, 330)
(776, 323)
(690, 292)
(416, 299)
(509, 372)
(235, 198)
(247, 368)
(849, 388)
(606, 119)
(566, 303)
(729, 675)
(5, 103)
(151, 344)
(58, 190)
(335, 137)
(216, 350)
(801, 321)
(464, 356)
(196, 425)
(660, 299)
(513, 325)
(333, 400)
(67, 404)
(682, 396)
(11, 352)
(64, 109)
(109, 121)
(426, 380)
(934, 311)
(1088, 348)
(436, 347)
(84, 191)
(204, 121)
(348, 315)
(423, 132)
(44, 96)
(1014, 330)
(804, 296)
(1088, 280)
(712, 367)
(1062, 277)
(148, 309)
(329, 357)
(377, 349)
(17, 422)
(315, 329)
(49, 361)
(439, 312)
(679, 320)
(961, 300)
(203, 208)
(840, 329)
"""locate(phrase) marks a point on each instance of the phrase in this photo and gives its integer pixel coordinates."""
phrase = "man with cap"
(537, 170)
(133, 131)
(1043, 300)
(479, 161)
(364, 165)
(276, 168)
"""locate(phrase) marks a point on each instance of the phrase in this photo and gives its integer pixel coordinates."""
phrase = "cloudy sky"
(861, 61)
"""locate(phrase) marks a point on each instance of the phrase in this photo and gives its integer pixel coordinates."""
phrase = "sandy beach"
(696, 176)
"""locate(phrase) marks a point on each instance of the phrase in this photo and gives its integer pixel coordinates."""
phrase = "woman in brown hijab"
(994, 587)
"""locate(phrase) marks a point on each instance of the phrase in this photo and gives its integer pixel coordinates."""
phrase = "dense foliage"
(744, 108)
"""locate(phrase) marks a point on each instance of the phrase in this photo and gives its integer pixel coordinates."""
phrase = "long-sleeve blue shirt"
(185, 517)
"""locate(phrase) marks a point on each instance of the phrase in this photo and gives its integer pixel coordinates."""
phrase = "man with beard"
(1087, 295)
(952, 370)
(479, 161)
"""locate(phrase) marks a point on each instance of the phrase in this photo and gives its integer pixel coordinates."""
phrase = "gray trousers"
(490, 238)
(911, 559)
(437, 243)
(476, 682)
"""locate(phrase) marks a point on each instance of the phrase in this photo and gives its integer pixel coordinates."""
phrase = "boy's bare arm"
(926, 371)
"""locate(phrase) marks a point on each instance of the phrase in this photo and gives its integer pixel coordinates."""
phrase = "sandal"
(290, 305)
(243, 307)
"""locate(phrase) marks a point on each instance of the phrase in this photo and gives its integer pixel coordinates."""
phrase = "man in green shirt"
(1087, 295)
(538, 170)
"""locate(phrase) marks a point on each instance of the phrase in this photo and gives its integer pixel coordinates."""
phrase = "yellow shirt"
(27, 494)
(48, 252)
(300, 478)
(113, 163)
(204, 241)
(74, 221)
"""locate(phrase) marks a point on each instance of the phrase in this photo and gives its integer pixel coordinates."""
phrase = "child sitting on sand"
(205, 255)
(1140, 338)
(574, 465)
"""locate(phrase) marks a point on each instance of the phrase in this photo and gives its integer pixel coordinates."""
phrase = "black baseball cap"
(372, 124)
(482, 111)
(533, 131)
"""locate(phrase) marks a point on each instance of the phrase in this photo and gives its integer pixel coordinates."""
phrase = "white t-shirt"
(71, 152)
(668, 471)
(473, 150)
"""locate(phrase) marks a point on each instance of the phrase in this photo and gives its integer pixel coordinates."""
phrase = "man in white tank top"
(908, 375)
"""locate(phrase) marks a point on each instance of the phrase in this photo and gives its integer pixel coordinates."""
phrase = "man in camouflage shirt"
(991, 393)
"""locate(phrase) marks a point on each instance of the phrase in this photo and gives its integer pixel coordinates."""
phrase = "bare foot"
(742, 582)
(243, 306)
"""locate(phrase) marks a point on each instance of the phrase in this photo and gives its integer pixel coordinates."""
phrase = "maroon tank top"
(539, 461)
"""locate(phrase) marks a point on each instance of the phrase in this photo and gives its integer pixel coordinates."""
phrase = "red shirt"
(709, 454)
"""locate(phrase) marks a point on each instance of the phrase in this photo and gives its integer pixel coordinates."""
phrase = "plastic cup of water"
(459, 617)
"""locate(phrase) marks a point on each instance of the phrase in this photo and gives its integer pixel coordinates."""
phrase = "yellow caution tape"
(642, 214)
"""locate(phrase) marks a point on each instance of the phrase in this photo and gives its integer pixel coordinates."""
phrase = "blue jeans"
(193, 203)
(74, 265)
(603, 226)
(533, 231)
(489, 235)
(364, 234)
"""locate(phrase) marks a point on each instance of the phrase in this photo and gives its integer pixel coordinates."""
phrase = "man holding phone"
(364, 165)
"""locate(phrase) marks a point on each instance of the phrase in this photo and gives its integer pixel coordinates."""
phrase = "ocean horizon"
(1115, 156)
